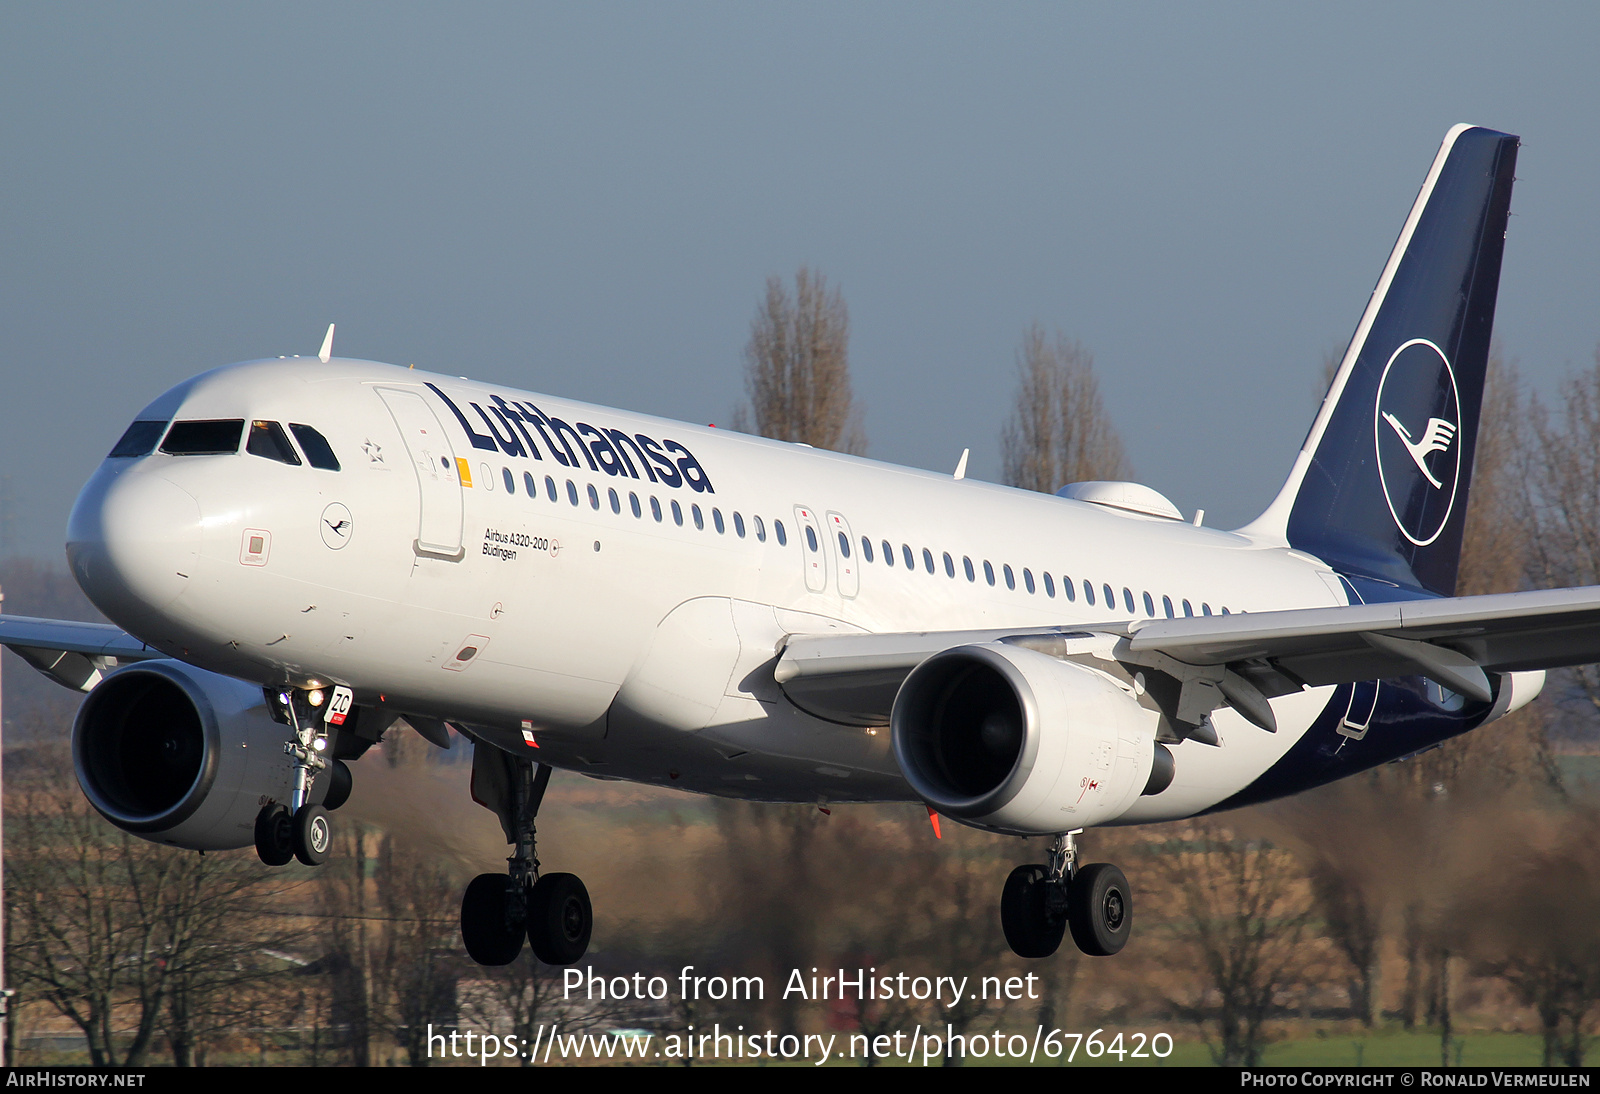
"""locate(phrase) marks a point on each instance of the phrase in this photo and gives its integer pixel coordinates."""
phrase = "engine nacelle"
(1013, 740)
(182, 756)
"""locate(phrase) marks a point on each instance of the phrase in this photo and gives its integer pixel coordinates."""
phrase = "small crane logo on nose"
(337, 526)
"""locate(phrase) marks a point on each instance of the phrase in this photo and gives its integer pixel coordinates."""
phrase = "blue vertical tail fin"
(1379, 488)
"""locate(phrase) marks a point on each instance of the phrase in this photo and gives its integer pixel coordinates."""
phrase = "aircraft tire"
(1100, 909)
(274, 835)
(1025, 917)
(340, 783)
(491, 930)
(313, 835)
(560, 919)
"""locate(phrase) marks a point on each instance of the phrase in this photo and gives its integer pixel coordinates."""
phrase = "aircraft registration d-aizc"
(298, 554)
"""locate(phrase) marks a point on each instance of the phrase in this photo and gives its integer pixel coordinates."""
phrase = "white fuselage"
(629, 646)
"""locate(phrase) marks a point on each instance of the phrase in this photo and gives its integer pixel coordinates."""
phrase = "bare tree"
(524, 995)
(110, 929)
(1551, 960)
(1059, 432)
(343, 898)
(797, 367)
(417, 966)
(1241, 910)
(1562, 478)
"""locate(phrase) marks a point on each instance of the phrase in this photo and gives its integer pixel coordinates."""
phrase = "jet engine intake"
(1013, 740)
(182, 756)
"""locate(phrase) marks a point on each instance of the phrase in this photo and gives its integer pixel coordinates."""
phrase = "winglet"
(961, 467)
(325, 354)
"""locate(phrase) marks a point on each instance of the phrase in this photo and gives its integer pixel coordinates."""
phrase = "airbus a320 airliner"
(299, 553)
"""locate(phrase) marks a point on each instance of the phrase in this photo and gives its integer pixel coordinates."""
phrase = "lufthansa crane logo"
(337, 526)
(1415, 430)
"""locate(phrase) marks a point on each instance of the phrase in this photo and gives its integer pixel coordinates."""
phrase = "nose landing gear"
(300, 829)
(498, 910)
(1041, 902)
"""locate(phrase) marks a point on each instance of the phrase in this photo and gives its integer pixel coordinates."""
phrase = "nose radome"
(133, 542)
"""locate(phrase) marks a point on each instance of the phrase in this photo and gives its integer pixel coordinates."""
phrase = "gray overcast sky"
(586, 199)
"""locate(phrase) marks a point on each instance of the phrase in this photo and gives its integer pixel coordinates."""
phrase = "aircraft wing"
(1240, 660)
(74, 655)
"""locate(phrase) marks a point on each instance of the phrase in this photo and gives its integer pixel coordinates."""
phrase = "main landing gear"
(1040, 902)
(300, 829)
(499, 910)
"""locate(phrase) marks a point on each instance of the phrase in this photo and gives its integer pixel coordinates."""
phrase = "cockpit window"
(268, 439)
(318, 453)
(204, 438)
(139, 440)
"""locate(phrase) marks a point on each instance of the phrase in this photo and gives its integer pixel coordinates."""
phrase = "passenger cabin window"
(927, 560)
(888, 554)
(1127, 599)
(738, 526)
(988, 572)
(511, 483)
(761, 529)
(905, 553)
(1149, 606)
(268, 440)
(677, 514)
(319, 453)
(1011, 578)
(550, 487)
(530, 485)
(204, 438)
(783, 537)
(811, 538)
(1088, 593)
(633, 503)
(844, 545)
(139, 440)
(655, 508)
(949, 566)
(1166, 605)
(966, 564)
(699, 518)
(572, 492)
(866, 548)
(1027, 579)
(594, 497)
(716, 519)
(1050, 587)
(616, 502)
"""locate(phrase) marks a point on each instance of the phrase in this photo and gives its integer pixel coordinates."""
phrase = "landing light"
(315, 697)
